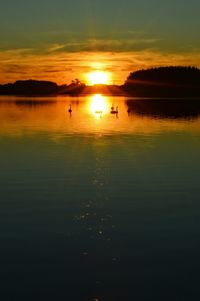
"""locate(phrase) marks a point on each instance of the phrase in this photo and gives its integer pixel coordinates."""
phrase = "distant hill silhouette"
(75, 88)
(29, 87)
(164, 82)
(103, 89)
(34, 87)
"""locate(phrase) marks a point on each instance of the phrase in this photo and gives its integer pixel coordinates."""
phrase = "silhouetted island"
(166, 92)
(162, 82)
(47, 88)
(34, 87)
(29, 87)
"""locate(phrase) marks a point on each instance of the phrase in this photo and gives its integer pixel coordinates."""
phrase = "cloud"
(104, 45)
(63, 66)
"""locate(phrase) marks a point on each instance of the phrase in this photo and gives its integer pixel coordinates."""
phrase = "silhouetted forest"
(29, 87)
(164, 82)
(34, 87)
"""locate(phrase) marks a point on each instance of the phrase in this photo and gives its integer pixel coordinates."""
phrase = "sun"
(98, 78)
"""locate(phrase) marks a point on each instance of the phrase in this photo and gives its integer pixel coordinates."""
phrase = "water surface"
(96, 205)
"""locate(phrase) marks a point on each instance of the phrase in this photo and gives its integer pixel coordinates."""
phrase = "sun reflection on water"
(99, 105)
(90, 115)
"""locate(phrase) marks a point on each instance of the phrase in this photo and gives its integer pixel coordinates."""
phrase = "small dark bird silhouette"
(113, 111)
(70, 109)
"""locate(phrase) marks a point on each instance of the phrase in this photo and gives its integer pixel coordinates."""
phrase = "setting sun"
(99, 77)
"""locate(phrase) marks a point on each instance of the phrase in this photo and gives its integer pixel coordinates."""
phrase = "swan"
(114, 111)
(70, 109)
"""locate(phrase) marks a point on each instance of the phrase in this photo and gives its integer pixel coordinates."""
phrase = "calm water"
(97, 206)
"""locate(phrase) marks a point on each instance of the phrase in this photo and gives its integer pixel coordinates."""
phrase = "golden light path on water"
(90, 115)
(99, 105)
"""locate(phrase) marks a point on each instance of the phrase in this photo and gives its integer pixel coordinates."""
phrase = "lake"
(97, 206)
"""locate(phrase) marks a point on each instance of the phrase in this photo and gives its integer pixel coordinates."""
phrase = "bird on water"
(70, 109)
(114, 111)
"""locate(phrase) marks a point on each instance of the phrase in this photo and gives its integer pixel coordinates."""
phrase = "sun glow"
(99, 77)
(98, 105)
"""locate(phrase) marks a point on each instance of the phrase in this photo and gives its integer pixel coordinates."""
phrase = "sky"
(64, 39)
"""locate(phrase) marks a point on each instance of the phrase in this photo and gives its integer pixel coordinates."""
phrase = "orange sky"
(62, 67)
(63, 40)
